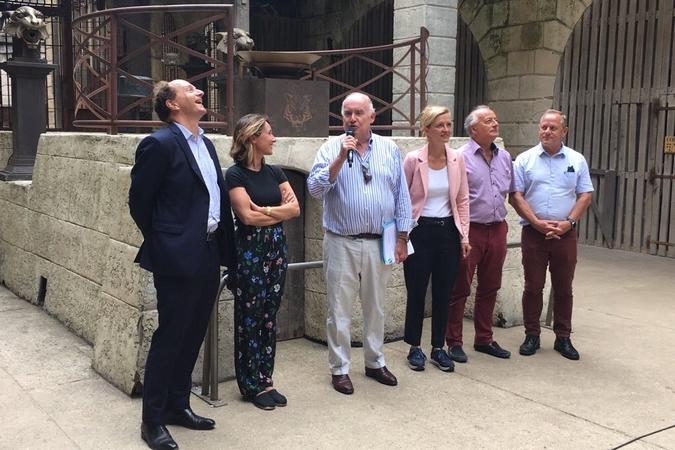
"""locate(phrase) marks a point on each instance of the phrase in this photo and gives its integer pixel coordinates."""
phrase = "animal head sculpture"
(27, 24)
(242, 41)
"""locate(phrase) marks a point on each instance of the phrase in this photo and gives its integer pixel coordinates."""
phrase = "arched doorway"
(616, 83)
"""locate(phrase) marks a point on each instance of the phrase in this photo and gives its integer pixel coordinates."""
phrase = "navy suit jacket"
(169, 202)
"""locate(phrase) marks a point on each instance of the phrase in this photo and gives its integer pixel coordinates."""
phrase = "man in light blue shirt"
(551, 190)
(360, 177)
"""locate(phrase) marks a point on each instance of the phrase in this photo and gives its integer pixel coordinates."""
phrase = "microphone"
(350, 153)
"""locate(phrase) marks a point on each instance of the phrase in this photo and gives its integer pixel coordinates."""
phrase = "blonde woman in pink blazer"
(439, 193)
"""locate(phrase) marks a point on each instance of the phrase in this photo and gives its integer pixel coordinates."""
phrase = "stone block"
(15, 224)
(316, 308)
(482, 22)
(314, 279)
(313, 217)
(503, 89)
(407, 22)
(100, 147)
(520, 134)
(300, 154)
(76, 248)
(520, 110)
(521, 62)
(537, 86)
(440, 79)
(400, 4)
(556, 35)
(394, 313)
(469, 9)
(120, 329)
(496, 67)
(546, 61)
(225, 345)
(73, 300)
(125, 280)
(6, 147)
(570, 11)
(442, 50)
(115, 219)
(20, 271)
(522, 11)
(18, 192)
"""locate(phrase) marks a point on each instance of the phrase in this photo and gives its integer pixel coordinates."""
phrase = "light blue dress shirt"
(208, 171)
(550, 184)
(352, 206)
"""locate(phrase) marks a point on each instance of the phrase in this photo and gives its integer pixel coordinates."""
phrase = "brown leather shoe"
(382, 375)
(342, 384)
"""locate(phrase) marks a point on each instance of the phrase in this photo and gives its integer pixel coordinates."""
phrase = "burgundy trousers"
(488, 251)
(560, 256)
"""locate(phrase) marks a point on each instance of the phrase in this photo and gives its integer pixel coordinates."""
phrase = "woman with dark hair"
(262, 199)
(439, 193)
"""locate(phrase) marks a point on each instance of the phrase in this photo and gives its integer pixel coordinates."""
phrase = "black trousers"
(184, 306)
(437, 253)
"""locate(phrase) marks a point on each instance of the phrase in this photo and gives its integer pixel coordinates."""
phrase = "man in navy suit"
(179, 202)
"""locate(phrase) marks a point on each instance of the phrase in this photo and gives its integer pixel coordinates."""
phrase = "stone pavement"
(623, 386)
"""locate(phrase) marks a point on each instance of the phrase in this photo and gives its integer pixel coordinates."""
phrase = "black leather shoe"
(382, 375)
(565, 348)
(157, 437)
(493, 349)
(264, 401)
(529, 346)
(188, 419)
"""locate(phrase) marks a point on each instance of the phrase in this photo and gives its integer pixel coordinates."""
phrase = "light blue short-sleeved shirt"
(550, 184)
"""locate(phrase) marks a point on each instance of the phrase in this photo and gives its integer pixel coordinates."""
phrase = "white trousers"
(351, 267)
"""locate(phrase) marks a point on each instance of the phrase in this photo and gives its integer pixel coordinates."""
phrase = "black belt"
(364, 236)
(437, 221)
(489, 224)
(211, 235)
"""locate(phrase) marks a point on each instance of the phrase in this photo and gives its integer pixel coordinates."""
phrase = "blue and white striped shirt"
(352, 206)
(208, 171)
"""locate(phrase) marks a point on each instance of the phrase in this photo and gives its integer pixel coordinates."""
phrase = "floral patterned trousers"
(261, 272)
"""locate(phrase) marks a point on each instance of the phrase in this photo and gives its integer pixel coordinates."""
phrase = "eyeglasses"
(365, 170)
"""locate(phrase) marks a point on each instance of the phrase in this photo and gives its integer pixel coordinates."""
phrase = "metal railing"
(103, 62)
(209, 388)
(410, 68)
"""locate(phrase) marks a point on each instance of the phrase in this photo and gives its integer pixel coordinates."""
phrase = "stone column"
(440, 18)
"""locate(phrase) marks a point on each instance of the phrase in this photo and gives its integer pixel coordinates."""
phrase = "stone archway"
(522, 42)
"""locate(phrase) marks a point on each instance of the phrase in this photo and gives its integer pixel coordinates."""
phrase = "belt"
(489, 224)
(211, 235)
(437, 221)
(364, 236)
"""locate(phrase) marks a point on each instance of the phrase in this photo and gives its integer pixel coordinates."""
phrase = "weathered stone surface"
(225, 345)
(521, 110)
(74, 300)
(120, 329)
(570, 11)
(537, 86)
(115, 219)
(125, 280)
(504, 89)
(5, 148)
(521, 62)
(90, 146)
(556, 35)
(20, 271)
(546, 61)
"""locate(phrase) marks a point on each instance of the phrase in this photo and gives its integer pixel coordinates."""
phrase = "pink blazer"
(416, 168)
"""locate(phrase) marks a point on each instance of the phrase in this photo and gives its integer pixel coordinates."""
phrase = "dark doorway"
(470, 77)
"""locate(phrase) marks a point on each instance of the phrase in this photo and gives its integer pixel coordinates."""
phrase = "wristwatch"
(572, 222)
(403, 236)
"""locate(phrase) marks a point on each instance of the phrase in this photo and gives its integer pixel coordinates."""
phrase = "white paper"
(388, 242)
(411, 250)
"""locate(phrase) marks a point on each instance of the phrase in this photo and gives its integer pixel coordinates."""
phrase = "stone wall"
(5, 148)
(521, 42)
(440, 18)
(71, 226)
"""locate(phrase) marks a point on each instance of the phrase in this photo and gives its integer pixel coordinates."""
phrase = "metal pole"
(209, 389)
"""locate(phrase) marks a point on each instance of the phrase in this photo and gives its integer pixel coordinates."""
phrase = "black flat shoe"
(493, 349)
(188, 419)
(264, 401)
(564, 347)
(157, 437)
(278, 398)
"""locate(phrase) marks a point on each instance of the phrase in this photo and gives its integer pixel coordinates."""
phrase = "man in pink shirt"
(488, 170)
